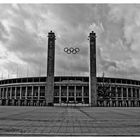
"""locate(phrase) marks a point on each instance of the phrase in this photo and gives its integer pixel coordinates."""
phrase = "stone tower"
(92, 78)
(49, 91)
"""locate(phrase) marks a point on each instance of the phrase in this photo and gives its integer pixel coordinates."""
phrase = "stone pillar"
(121, 93)
(7, 100)
(60, 94)
(130, 103)
(135, 103)
(82, 94)
(19, 100)
(32, 94)
(25, 102)
(15, 92)
(0, 96)
(0, 93)
(132, 93)
(10, 92)
(13, 98)
(92, 78)
(6, 93)
(3, 96)
(49, 89)
(116, 90)
(20, 92)
(67, 94)
(131, 100)
(122, 99)
(139, 93)
(38, 95)
(75, 94)
(127, 93)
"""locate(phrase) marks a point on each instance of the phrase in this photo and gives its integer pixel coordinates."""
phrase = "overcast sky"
(24, 29)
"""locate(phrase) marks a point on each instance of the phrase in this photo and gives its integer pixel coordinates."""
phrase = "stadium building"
(70, 90)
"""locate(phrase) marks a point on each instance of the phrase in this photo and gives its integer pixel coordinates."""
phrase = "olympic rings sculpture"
(71, 50)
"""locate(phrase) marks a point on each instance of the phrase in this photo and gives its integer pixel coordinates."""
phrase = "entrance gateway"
(68, 91)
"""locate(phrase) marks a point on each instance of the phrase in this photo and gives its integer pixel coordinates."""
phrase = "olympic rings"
(71, 50)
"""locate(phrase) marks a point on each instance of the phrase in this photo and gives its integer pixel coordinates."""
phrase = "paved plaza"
(69, 121)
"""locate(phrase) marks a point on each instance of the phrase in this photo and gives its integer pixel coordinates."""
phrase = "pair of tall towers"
(49, 90)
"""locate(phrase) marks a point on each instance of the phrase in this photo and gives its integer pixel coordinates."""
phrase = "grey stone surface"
(93, 79)
(68, 121)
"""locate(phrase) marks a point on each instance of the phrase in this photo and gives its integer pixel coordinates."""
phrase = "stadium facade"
(69, 90)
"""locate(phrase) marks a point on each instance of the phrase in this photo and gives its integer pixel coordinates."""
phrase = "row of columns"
(4, 94)
(67, 95)
(118, 103)
(127, 96)
(5, 91)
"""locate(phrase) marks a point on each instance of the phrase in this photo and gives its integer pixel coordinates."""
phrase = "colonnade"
(34, 95)
(126, 96)
(71, 94)
(22, 95)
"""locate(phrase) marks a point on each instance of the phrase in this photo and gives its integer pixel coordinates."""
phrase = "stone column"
(13, 97)
(3, 93)
(19, 100)
(0, 93)
(92, 78)
(20, 92)
(32, 94)
(60, 94)
(131, 90)
(135, 97)
(82, 94)
(7, 100)
(132, 95)
(67, 94)
(38, 95)
(139, 97)
(116, 89)
(135, 103)
(75, 94)
(122, 99)
(10, 92)
(25, 102)
(127, 93)
(139, 93)
(129, 98)
(49, 90)
(15, 92)
(6, 93)
(0, 96)
(129, 103)
(121, 93)
(110, 102)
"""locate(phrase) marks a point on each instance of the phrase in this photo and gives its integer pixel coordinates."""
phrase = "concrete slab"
(69, 121)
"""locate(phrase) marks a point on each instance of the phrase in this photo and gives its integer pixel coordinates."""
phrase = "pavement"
(69, 121)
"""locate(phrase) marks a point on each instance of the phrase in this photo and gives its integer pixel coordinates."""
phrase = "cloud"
(24, 29)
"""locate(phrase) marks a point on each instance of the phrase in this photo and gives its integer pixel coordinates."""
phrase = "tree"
(104, 91)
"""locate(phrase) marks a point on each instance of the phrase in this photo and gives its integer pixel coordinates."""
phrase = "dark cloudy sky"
(24, 29)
